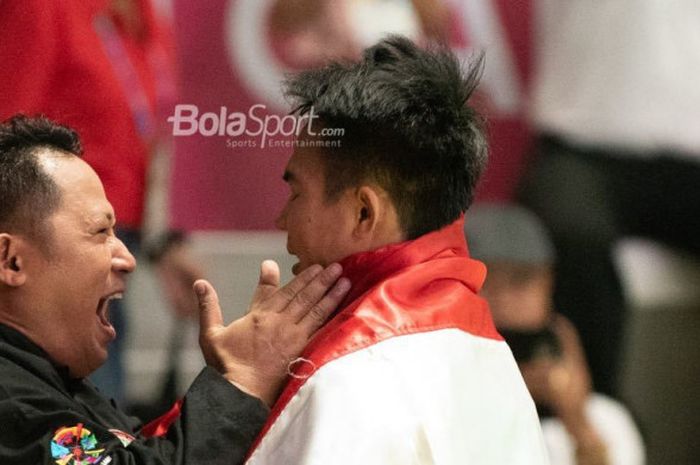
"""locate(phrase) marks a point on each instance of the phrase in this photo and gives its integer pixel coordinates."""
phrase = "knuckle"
(327, 278)
(317, 312)
(304, 300)
(257, 320)
(311, 271)
(288, 293)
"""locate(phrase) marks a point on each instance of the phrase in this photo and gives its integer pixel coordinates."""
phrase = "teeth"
(116, 296)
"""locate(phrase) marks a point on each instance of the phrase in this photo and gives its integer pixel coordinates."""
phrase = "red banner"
(232, 58)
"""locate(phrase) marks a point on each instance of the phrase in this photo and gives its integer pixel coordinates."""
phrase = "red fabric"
(160, 426)
(412, 287)
(54, 63)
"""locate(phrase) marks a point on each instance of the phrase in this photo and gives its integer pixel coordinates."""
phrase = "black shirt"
(48, 418)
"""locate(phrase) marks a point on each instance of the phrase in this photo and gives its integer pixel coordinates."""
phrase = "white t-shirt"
(614, 425)
(622, 73)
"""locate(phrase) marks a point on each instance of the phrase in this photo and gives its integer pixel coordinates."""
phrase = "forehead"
(305, 166)
(81, 190)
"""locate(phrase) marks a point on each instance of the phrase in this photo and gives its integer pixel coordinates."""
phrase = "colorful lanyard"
(145, 119)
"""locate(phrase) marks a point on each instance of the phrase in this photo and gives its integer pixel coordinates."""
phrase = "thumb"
(209, 309)
(269, 280)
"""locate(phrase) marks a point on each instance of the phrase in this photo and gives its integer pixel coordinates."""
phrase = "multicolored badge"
(75, 445)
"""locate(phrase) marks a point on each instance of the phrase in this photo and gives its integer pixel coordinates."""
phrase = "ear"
(12, 271)
(369, 210)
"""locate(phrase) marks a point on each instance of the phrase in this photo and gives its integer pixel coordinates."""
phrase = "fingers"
(317, 314)
(314, 291)
(567, 334)
(281, 299)
(568, 338)
(269, 273)
(269, 280)
(209, 309)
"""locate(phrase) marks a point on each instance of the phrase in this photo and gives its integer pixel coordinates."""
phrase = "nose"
(122, 260)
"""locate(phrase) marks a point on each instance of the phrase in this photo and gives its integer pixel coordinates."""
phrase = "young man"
(60, 265)
(580, 427)
(411, 369)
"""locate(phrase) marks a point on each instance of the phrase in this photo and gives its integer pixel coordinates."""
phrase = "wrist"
(591, 451)
(575, 420)
(584, 435)
(253, 386)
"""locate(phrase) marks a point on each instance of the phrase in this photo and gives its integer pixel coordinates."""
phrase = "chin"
(93, 367)
(97, 359)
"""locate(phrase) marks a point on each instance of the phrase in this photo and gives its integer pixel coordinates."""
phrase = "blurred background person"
(308, 33)
(616, 107)
(580, 426)
(104, 67)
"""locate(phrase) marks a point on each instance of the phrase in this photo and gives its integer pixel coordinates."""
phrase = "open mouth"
(103, 311)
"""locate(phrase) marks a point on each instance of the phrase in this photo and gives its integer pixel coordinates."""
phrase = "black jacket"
(48, 418)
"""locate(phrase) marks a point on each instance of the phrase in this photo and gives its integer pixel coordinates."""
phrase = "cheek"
(535, 304)
(294, 222)
(506, 306)
(300, 227)
(93, 266)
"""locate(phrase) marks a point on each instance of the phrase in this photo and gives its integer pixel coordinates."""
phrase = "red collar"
(366, 269)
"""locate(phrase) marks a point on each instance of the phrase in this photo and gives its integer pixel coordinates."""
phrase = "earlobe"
(11, 265)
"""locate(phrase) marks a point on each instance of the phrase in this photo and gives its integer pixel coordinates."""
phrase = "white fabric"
(486, 31)
(614, 425)
(373, 20)
(443, 397)
(619, 72)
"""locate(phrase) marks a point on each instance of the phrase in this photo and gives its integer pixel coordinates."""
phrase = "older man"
(411, 370)
(60, 265)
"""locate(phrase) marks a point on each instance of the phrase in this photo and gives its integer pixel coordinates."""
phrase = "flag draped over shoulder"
(410, 371)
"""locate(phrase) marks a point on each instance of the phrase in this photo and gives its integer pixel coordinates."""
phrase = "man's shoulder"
(22, 394)
(411, 302)
(12, 366)
(28, 383)
(431, 296)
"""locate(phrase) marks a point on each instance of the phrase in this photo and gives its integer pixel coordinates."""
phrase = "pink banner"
(230, 62)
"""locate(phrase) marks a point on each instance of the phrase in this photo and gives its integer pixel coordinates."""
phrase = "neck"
(8, 312)
(364, 269)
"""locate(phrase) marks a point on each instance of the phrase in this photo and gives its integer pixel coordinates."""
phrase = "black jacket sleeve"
(217, 425)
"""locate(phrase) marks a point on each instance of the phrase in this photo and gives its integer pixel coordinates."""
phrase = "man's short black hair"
(29, 195)
(407, 128)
